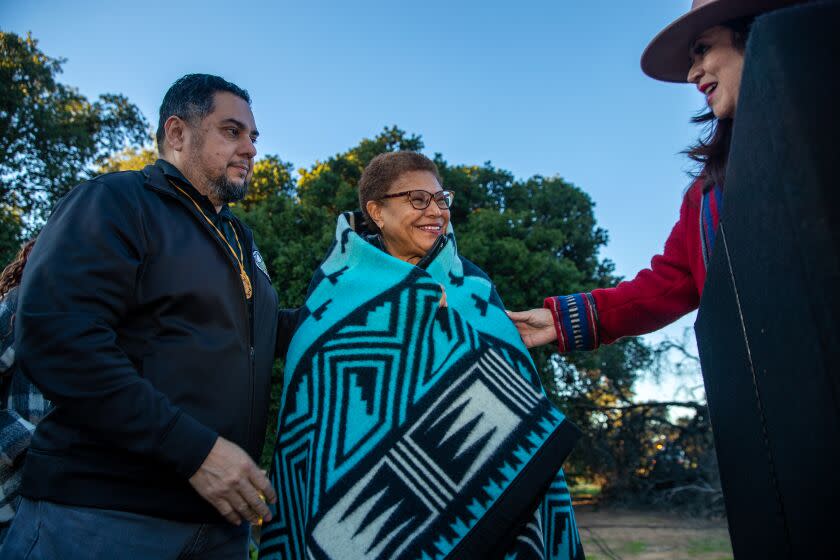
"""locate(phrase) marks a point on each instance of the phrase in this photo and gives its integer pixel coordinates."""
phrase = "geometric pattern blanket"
(414, 425)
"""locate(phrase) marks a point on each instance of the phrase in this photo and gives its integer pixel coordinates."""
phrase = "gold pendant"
(246, 283)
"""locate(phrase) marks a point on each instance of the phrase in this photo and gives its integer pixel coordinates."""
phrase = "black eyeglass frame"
(438, 197)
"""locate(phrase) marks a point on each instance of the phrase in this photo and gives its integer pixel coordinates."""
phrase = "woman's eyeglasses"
(420, 200)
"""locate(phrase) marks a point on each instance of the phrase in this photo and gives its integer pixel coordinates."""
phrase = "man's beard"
(226, 191)
(220, 187)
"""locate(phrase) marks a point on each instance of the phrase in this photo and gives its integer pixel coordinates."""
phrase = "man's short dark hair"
(191, 98)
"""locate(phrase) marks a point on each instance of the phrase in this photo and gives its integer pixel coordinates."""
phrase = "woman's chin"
(428, 243)
(428, 237)
(723, 111)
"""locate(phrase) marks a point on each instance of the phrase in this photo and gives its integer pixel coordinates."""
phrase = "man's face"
(221, 148)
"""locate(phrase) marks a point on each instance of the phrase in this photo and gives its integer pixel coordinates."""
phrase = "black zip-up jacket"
(132, 319)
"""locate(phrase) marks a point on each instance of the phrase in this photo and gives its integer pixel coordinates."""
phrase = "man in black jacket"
(147, 316)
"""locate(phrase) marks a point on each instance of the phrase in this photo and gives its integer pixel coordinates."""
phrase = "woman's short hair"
(383, 171)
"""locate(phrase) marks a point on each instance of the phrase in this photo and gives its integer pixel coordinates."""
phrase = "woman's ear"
(374, 210)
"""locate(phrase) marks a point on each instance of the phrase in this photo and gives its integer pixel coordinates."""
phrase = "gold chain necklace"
(246, 282)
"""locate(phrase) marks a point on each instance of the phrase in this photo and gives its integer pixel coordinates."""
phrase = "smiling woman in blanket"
(413, 423)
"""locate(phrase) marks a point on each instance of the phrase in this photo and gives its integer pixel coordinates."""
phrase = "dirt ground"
(613, 534)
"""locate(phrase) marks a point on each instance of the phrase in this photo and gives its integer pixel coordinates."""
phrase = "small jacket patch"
(258, 260)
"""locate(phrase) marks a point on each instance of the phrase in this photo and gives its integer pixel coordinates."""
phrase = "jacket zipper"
(243, 301)
(252, 377)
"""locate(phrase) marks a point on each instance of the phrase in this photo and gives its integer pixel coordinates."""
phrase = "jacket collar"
(160, 177)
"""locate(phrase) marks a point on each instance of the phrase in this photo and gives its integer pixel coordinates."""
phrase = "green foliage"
(331, 185)
(634, 548)
(698, 547)
(129, 159)
(272, 177)
(11, 228)
(51, 136)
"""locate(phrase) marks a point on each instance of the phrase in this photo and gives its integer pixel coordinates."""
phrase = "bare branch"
(651, 404)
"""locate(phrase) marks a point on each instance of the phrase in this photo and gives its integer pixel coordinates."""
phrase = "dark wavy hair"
(11, 276)
(191, 98)
(711, 151)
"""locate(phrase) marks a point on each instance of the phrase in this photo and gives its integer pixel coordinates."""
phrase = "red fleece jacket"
(657, 296)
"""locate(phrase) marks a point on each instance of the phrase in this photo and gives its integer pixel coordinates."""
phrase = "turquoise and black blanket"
(413, 423)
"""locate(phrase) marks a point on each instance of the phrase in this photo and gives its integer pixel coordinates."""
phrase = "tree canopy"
(51, 136)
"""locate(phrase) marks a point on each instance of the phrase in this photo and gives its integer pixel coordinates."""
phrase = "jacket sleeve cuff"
(575, 320)
(187, 443)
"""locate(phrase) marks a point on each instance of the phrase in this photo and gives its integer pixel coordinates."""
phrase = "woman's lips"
(709, 91)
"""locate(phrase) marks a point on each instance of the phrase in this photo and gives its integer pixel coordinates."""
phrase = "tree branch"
(687, 404)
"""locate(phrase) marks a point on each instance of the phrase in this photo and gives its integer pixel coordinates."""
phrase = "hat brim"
(667, 57)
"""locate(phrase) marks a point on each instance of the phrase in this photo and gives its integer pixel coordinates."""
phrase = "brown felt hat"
(667, 56)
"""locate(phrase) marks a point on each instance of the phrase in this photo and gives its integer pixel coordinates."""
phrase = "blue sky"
(536, 87)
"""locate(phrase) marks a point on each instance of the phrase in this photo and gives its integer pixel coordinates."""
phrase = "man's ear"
(374, 210)
(176, 132)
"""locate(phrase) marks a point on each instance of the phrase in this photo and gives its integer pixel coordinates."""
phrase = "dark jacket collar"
(172, 172)
(161, 175)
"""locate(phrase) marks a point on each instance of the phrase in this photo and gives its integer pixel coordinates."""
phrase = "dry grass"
(613, 534)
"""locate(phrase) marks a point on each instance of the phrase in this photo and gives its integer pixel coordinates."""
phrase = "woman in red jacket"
(704, 47)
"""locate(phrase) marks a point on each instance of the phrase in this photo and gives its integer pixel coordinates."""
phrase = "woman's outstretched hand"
(536, 327)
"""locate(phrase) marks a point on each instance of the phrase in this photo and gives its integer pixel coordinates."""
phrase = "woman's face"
(409, 233)
(716, 70)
